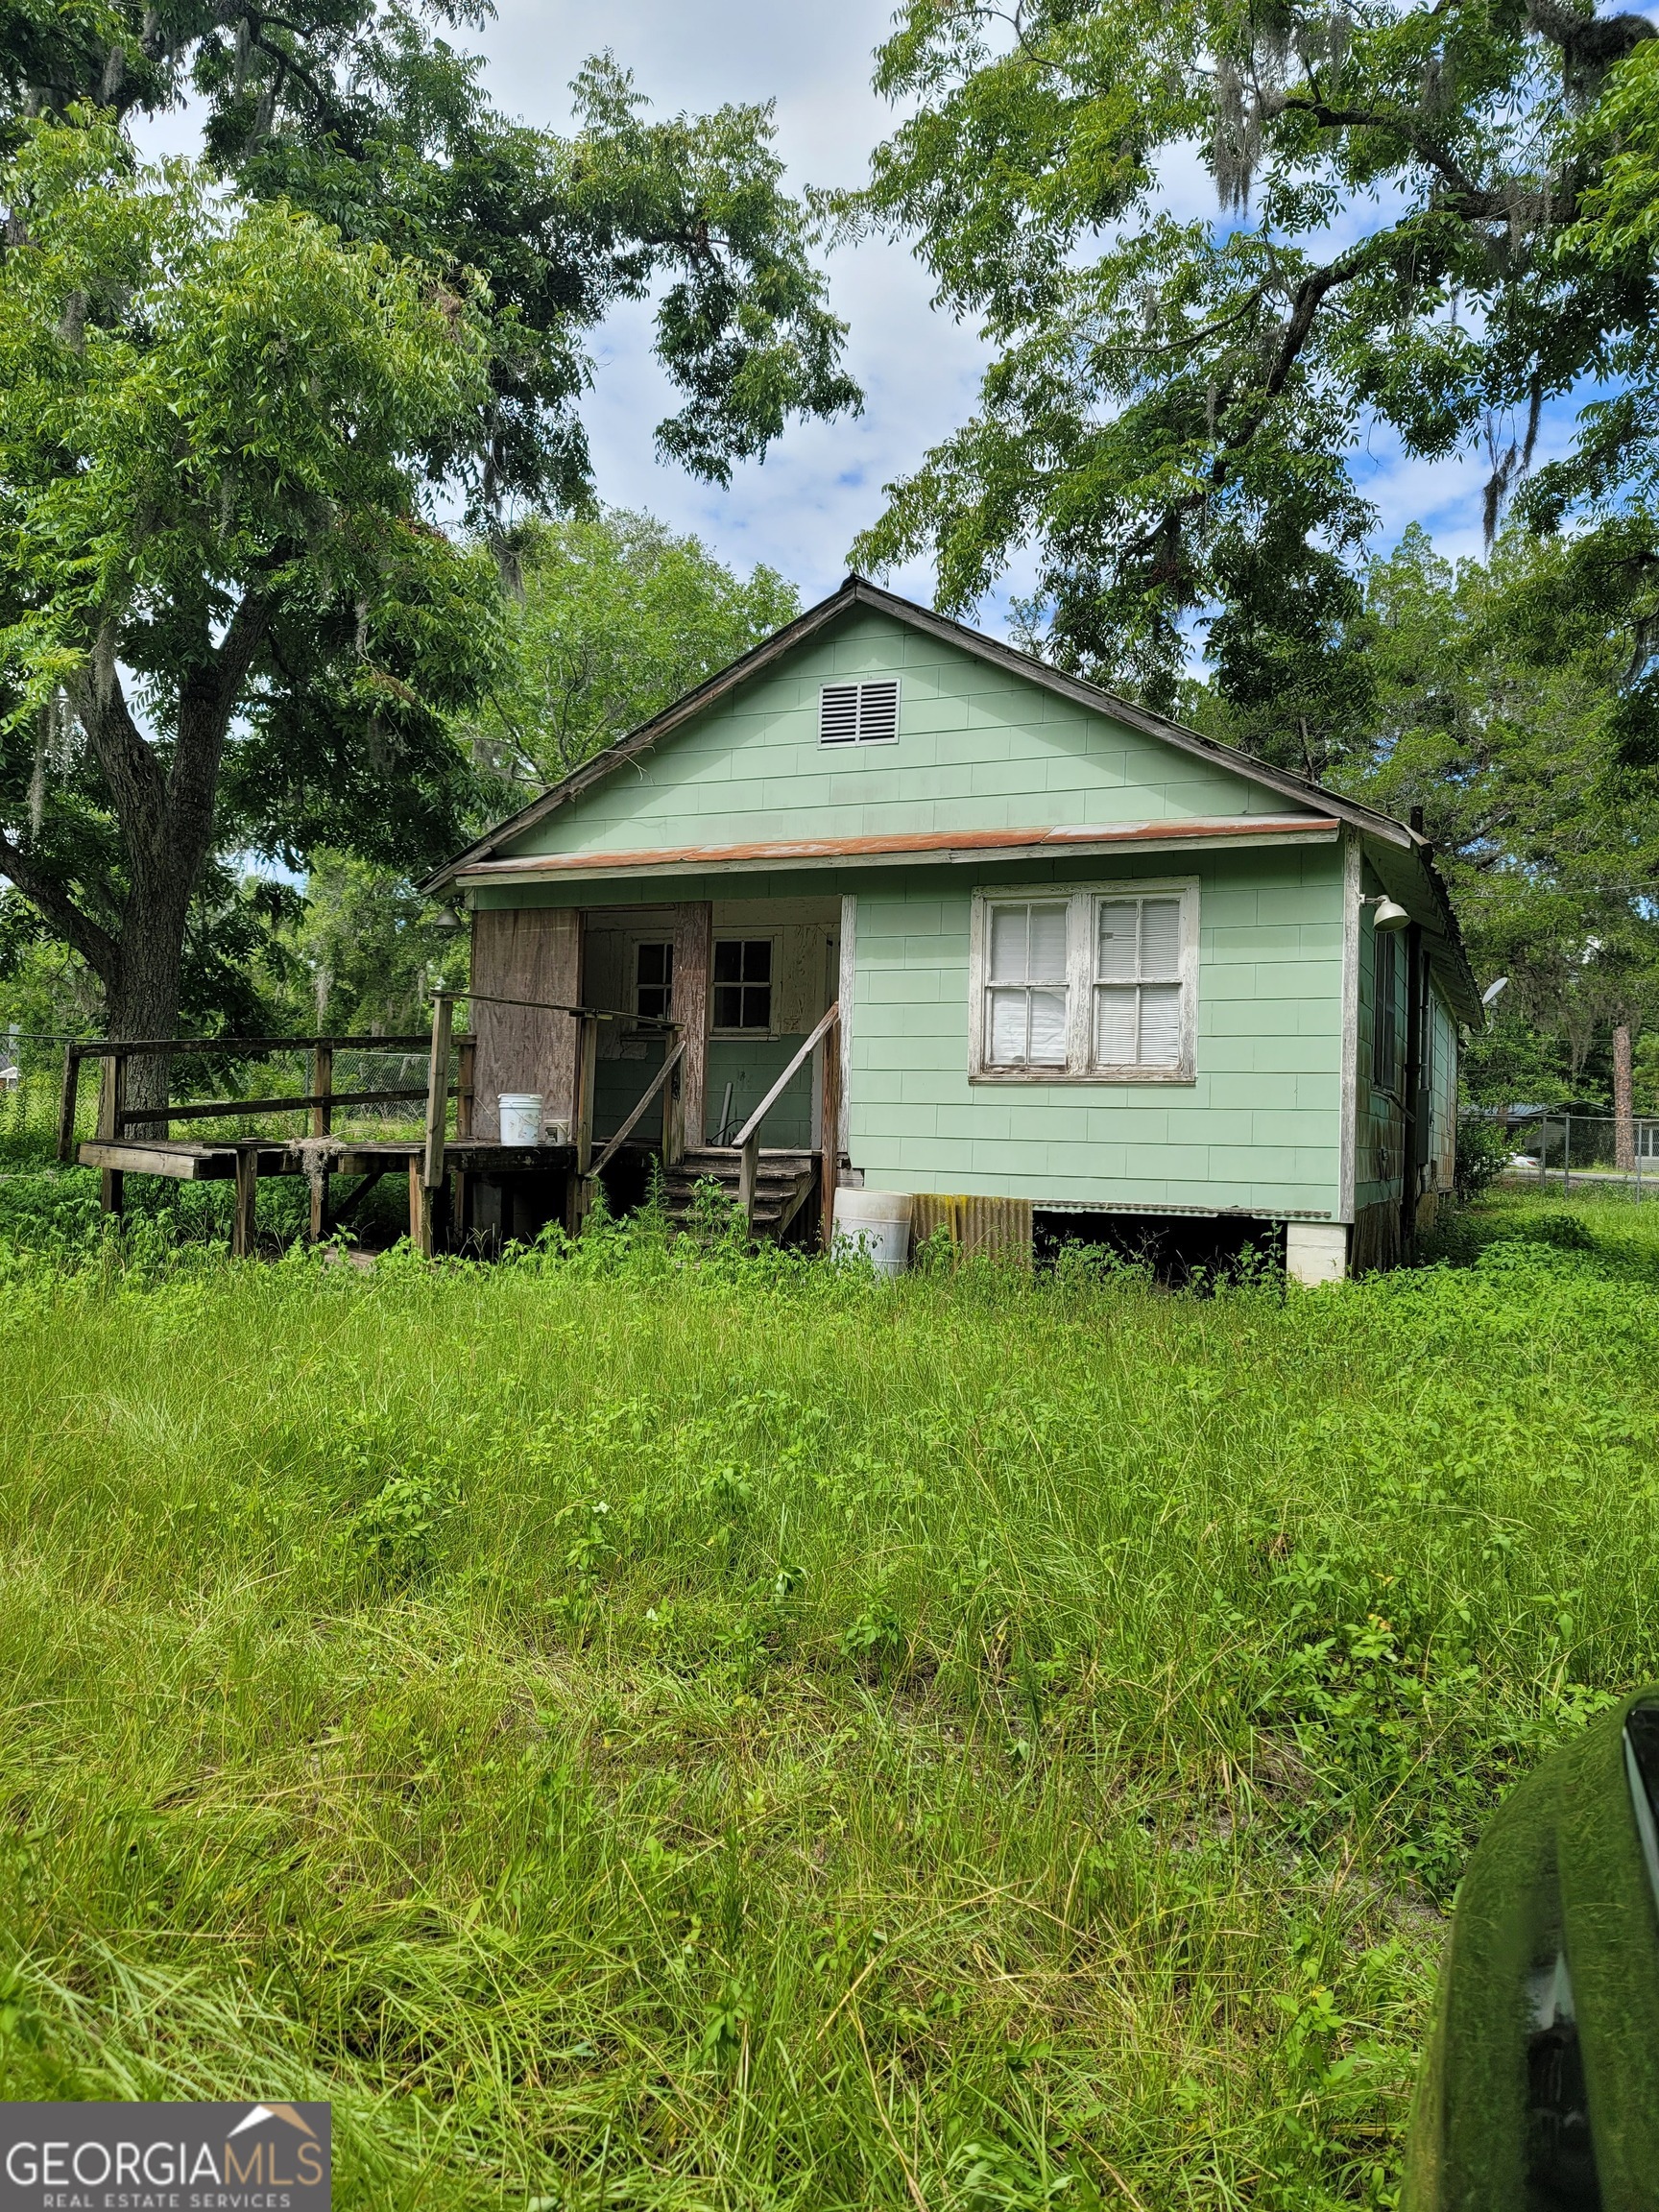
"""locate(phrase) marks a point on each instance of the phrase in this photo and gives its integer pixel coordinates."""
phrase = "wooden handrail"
(752, 1126)
(556, 1006)
(748, 1144)
(232, 1048)
(218, 1109)
(671, 1062)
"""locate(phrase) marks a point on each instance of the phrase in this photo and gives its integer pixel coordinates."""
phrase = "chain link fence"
(1583, 1151)
(32, 1085)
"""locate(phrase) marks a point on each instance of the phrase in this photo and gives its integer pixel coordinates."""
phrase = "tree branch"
(1470, 199)
(207, 702)
(95, 946)
(129, 761)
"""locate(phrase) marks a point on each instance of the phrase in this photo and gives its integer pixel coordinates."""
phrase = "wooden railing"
(747, 1143)
(115, 1118)
(673, 1128)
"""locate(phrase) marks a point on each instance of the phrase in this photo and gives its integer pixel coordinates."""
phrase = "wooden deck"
(464, 1192)
(214, 1159)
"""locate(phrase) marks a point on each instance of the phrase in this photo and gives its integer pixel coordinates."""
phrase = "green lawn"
(645, 1734)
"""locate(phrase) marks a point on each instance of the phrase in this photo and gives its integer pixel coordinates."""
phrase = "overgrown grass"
(645, 1730)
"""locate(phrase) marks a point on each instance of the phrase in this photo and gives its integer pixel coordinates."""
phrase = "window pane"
(1008, 1027)
(1117, 952)
(757, 960)
(1008, 933)
(1160, 1025)
(1048, 1028)
(1114, 1027)
(1161, 940)
(655, 962)
(728, 959)
(1027, 944)
(757, 1005)
(1048, 945)
(728, 1006)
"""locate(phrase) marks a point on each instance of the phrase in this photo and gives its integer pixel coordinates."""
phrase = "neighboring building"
(1086, 961)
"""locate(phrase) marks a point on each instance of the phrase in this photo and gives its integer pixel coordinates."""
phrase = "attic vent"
(858, 713)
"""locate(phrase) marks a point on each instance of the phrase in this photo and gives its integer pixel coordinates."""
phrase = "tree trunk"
(1624, 1103)
(143, 996)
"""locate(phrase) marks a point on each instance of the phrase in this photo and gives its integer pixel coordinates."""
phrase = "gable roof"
(856, 592)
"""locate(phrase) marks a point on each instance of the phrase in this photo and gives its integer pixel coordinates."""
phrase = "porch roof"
(939, 845)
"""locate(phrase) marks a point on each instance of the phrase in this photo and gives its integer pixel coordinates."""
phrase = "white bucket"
(521, 1116)
(878, 1222)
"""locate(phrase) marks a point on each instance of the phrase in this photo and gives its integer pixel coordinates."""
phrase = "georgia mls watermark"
(164, 2158)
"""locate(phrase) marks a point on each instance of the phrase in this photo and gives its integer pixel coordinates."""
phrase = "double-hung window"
(1137, 982)
(1027, 991)
(1092, 985)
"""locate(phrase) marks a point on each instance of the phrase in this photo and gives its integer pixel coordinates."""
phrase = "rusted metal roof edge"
(930, 844)
(857, 592)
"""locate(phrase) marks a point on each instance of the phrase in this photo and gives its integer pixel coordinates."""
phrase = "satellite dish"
(1494, 991)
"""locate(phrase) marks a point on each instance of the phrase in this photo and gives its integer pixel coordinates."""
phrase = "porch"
(627, 1079)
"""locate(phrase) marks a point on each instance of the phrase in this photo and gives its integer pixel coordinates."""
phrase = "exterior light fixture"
(1390, 914)
(447, 918)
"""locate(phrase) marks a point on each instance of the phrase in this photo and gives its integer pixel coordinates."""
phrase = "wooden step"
(782, 1182)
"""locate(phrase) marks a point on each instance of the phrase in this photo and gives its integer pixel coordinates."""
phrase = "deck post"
(67, 1105)
(748, 1172)
(829, 1131)
(321, 1125)
(112, 1105)
(437, 1091)
(582, 1115)
(673, 1107)
(587, 1071)
(243, 1226)
(465, 1083)
(421, 1208)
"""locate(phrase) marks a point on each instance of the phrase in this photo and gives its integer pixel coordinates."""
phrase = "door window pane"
(653, 982)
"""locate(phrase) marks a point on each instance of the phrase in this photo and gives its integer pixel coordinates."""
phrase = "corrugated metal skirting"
(978, 1227)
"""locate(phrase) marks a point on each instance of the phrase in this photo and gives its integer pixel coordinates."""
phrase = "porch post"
(829, 1131)
(693, 961)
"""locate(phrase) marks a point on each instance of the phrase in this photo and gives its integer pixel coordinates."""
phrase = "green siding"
(978, 747)
(1258, 1129)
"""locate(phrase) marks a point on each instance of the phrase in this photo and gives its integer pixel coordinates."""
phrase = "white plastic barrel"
(878, 1222)
(521, 1116)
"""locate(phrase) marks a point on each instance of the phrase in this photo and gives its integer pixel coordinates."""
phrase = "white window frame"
(775, 938)
(1082, 902)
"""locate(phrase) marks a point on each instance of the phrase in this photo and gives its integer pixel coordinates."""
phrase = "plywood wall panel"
(526, 952)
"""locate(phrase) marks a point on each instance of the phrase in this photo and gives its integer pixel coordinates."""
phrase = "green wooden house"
(975, 931)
